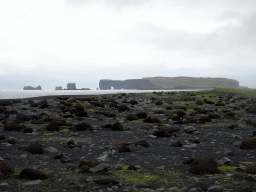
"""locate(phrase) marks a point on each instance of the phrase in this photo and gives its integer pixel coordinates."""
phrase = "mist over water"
(19, 94)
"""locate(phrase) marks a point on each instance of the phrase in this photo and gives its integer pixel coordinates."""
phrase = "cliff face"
(32, 88)
(193, 82)
(158, 83)
(127, 84)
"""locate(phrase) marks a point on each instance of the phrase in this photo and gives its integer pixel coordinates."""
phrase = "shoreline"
(93, 95)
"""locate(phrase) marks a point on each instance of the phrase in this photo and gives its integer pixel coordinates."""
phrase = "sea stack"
(32, 88)
(58, 88)
(71, 86)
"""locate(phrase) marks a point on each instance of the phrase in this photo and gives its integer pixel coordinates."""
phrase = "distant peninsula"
(163, 83)
(32, 88)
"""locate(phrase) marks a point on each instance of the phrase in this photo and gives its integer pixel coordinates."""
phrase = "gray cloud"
(223, 39)
(114, 3)
(89, 40)
(230, 14)
(171, 39)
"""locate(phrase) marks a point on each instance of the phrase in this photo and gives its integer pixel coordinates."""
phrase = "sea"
(21, 94)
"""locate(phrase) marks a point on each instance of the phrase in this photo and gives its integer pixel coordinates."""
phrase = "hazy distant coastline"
(168, 83)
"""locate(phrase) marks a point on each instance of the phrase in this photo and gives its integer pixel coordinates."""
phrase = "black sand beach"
(161, 141)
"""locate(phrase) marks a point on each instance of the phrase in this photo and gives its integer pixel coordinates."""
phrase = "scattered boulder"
(123, 149)
(215, 188)
(176, 143)
(83, 127)
(172, 130)
(2, 109)
(159, 112)
(106, 181)
(88, 163)
(158, 102)
(151, 120)
(205, 119)
(97, 104)
(204, 168)
(37, 122)
(142, 143)
(43, 104)
(133, 102)
(58, 155)
(246, 190)
(101, 168)
(35, 148)
(79, 107)
(181, 113)
(43, 115)
(11, 141)
(65, 159)
(159, 133)
(5, 169)
(113, 105)
(21, 116)
(5, 102)
(122, 108)
(68, 116)
(19, 127)
(250, 170)
(208, 102)
(251, 109)
(9, 126)
(50, 150)
(146, 126)
(32, 174)
(28, 130)
(131, 117)
(53, 126)
(233, 126)
(214, 116)
(225, 161)
(142, 115)
(108, 125)
(132, 168)
(248, 143)
(117, 126)
(2, 137)
(189, 129)
(199, 102)
(71, 141)
(193, 162)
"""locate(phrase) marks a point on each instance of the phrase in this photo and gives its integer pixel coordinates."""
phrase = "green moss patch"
(229, 168)
(137, 121)
(60, 139)
(155, 176)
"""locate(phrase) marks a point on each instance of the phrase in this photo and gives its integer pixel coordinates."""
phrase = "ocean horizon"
(21, 94)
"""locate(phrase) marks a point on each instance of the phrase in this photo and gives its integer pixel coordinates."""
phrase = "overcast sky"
(55, 42)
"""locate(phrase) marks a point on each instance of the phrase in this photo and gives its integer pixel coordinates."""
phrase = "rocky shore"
(161, 141)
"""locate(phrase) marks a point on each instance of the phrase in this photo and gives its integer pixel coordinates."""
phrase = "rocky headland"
(163, 83)
(32, 88)
(161, 141)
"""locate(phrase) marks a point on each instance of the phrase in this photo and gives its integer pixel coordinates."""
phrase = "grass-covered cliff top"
(193, 82)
